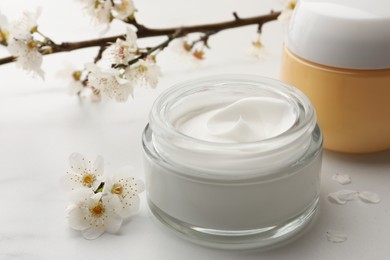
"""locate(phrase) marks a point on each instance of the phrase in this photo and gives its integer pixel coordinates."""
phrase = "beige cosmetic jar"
(338, 53)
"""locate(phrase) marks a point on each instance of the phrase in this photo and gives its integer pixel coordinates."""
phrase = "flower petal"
(93, 232)
(342, 196)
(77, 217)
(347, 195)
(131, 37)
(130, 207)
(81, 196)
(336, 236)
(108, 185)
(140, 186)
(113, 223)
(70, 181)
(369, 197)
(334, 198)
(111, 202)
(78, 163)
(342, 178)
(124, 172)
(98, 166)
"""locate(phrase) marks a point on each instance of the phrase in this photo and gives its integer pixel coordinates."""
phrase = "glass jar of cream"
(233, 161)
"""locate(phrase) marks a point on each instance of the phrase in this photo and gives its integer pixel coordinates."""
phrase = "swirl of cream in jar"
(248, 119)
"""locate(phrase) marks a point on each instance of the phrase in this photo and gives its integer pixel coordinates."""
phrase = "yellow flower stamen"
(199, 54)
(97, 210)
(117, 189)
(123, 6)
(31, 44)
(3, 36)
(187, 46)
(76, 75)
(88, 179)
(291, 4)
(142, 69)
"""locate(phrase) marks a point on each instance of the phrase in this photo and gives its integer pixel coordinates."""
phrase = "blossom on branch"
(123, 9)
(22, 44)
(110, 82)
(129, 64)
(26, 25)
(144, 72)
(122, 51)
(98, 10)
(257, 49)
(27, 55)
(104, 11)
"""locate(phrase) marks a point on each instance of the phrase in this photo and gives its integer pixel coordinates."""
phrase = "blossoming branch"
(129, 65)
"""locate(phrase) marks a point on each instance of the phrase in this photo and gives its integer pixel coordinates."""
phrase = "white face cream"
(233, 161)
(249, 119)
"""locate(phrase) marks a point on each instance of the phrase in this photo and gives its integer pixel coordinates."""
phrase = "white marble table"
(40, 125)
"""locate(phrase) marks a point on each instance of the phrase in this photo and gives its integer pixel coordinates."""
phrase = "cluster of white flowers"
(289, 6)
(99, 203)
(104, 11)
(118, 83)
(19, 37)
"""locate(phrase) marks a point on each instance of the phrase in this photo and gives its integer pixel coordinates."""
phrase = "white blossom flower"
(122, 50)
(88, 6)
(126, 188)
(257, 49)
(99, 10)
(289, 6)
(26, 25)
(22, 45)
(181, 46)
(4, 30)
(144, 72)
(93, 214)
(94, 95)
(73, 76)
(109, 82)
(83, 173)
(103, 12)
(27, 55)
(123, 9)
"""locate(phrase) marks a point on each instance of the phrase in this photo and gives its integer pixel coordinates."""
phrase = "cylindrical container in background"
(338, 53)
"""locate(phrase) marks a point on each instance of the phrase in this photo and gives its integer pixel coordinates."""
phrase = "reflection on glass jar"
(219, 188)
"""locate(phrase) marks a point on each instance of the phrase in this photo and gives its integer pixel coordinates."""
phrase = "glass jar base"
(263, 238)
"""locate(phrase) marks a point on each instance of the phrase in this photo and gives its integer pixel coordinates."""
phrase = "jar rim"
(200, 159)
(160, 104)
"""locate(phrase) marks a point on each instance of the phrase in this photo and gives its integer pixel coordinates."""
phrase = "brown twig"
(100, 53)
(144, 32)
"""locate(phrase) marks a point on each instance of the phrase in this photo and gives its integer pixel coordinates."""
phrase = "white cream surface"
(245, 120)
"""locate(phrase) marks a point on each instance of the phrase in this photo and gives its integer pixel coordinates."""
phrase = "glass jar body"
(235, 196)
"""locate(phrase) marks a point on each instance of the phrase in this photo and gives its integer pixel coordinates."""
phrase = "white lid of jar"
(352, 34)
